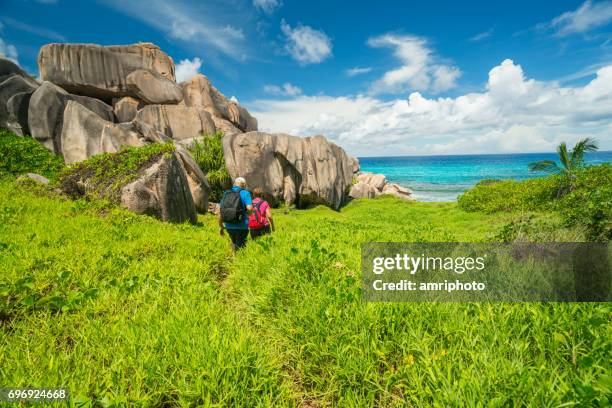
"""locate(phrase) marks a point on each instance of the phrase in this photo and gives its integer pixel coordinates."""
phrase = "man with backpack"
(260, 220)
(235, 207)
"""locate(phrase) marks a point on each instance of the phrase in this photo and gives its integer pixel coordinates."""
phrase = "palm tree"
(571, 162)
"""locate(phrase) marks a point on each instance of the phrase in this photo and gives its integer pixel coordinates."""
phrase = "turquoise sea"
(443, 178)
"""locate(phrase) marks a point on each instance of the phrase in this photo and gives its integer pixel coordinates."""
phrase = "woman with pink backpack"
(260, 219)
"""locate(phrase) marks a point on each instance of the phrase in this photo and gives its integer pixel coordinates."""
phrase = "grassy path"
(127, 310)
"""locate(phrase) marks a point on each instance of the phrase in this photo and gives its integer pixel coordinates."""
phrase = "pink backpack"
(257, 219)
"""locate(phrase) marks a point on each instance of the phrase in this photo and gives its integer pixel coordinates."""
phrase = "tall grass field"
(124, 310)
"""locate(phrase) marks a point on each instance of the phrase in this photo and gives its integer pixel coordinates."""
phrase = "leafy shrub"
(208, 153)
(491, 196)
(19, 155)
(107, 173)
(590, 202)
(588, 205)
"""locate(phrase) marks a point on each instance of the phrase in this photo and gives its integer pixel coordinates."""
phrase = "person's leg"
(239, 238)
(255, 233)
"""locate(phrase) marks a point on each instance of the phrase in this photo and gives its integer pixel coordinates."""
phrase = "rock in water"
(398, 191)
(304, 171)
(180, 123)
(161, 191)
(11, 86)
(46, 109)
(199, 92)
(85, 134)
(102, 72)
(152, 88)
(126, 108)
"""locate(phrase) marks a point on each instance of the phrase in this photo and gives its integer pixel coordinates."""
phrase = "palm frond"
(548, 166)
(584, 145)
(564, 156)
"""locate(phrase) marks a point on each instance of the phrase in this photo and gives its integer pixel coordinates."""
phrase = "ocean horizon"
(445, 177)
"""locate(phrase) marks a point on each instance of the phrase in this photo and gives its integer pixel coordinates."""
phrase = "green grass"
(208, 153)
(19, 155)
(126, 310)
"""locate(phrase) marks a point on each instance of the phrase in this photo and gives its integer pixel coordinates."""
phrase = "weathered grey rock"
(153, 88)
(17, 113)
(198, 185)
(126, 108)
(398, 191)
(36, 177)
(100, 72)
(363, 190)
(161, 191)
(85, 134)
(181, 123)
(355, 163)
(11, 86)
(150, 134)
(225, 126)
(199, 92)
(304, 171)
(377, 181)
(46, 109)
(8, 68)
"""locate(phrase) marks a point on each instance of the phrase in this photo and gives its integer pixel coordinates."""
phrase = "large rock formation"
(180, 123)
(85, 134)
(303, 171)
(102, 72)
(69, 113)
(46, 111)
(199, 92)
(162, 191)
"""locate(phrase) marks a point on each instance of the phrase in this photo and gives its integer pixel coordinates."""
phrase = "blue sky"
(391, 78)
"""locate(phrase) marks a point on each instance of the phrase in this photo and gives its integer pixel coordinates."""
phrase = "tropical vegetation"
(125, 310)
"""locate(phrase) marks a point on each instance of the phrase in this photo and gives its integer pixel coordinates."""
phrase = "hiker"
(235, 206)
(260, 219)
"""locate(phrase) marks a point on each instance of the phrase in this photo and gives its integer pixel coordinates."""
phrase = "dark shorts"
(259, 232)
(238, 237)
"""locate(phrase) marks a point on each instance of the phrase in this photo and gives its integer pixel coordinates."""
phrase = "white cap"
(240, 181)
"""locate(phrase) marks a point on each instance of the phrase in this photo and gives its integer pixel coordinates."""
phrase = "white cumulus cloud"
(8, 51)
(588, 16)
(305, 44)
(267, 6)
(357, 71)
(511, 114)
(186, 69)
(287, 89)
(420, 69)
